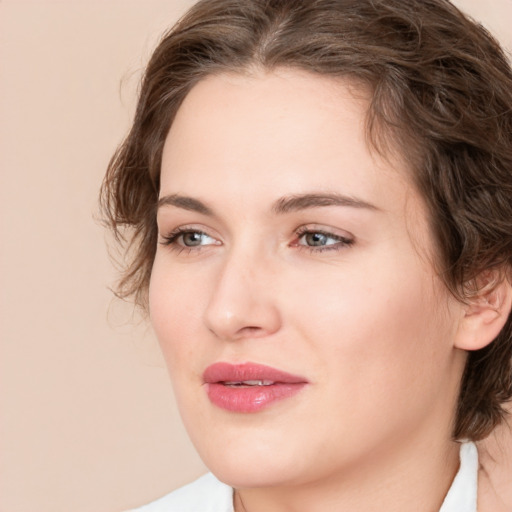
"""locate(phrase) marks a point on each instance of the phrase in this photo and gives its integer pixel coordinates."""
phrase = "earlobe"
(485, 316)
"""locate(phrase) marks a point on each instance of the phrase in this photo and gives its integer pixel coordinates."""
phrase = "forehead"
(287, 113)
(283, 132)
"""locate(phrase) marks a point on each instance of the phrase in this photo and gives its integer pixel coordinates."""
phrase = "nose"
(243, 302)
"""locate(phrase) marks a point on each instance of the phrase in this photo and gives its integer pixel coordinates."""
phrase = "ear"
(486, 312)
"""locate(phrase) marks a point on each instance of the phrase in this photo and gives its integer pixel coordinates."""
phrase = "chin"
(254, 474)
(252, 461)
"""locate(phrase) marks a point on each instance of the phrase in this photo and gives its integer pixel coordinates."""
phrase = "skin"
(367, 322)
(495, 475)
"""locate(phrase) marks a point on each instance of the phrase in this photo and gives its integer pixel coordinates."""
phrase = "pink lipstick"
(249, 387)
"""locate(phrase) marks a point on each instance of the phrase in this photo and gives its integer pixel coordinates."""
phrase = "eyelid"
(326, 230)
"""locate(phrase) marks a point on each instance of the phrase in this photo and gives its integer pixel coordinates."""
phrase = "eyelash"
(171, 240)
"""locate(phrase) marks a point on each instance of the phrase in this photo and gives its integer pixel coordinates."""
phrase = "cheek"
(374, 333)
(175, 305)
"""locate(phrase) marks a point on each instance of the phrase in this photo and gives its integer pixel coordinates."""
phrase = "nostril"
(251, 331)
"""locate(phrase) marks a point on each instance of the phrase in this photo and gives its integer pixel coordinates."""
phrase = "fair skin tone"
(495, 491)
(285, 241)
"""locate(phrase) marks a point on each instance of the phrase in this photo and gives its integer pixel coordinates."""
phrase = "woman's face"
(285, 243)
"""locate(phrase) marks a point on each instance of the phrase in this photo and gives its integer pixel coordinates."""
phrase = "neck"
(406, 476)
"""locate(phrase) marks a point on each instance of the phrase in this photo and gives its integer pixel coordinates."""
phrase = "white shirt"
(207, 494)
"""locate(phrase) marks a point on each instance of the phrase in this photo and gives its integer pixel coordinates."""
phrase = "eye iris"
(192, 238)
(316, 239)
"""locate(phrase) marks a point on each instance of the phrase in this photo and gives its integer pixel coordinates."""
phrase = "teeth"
(249, 383)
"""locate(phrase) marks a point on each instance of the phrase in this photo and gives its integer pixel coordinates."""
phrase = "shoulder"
(206, 494)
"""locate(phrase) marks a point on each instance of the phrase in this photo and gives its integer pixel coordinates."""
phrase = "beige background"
(88, 421)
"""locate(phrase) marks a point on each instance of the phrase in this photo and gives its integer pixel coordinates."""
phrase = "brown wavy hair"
(441, 93)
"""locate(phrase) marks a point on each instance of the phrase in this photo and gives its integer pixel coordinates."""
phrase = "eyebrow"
(186, 203)
(304, 201)
(283, 205)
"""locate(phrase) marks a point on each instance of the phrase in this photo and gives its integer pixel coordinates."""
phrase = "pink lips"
(249, 387)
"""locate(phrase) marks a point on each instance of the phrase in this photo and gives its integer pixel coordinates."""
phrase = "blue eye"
(193, 238)
(319, 240)
(188, 238)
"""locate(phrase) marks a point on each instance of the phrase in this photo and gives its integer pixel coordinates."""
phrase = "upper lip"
(229, 372)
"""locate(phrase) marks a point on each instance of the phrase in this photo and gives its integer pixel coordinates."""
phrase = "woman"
(319, 203)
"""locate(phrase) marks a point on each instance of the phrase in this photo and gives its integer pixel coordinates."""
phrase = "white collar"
(462, 496)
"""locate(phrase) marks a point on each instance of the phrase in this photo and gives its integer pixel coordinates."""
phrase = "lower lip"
(250, 399)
